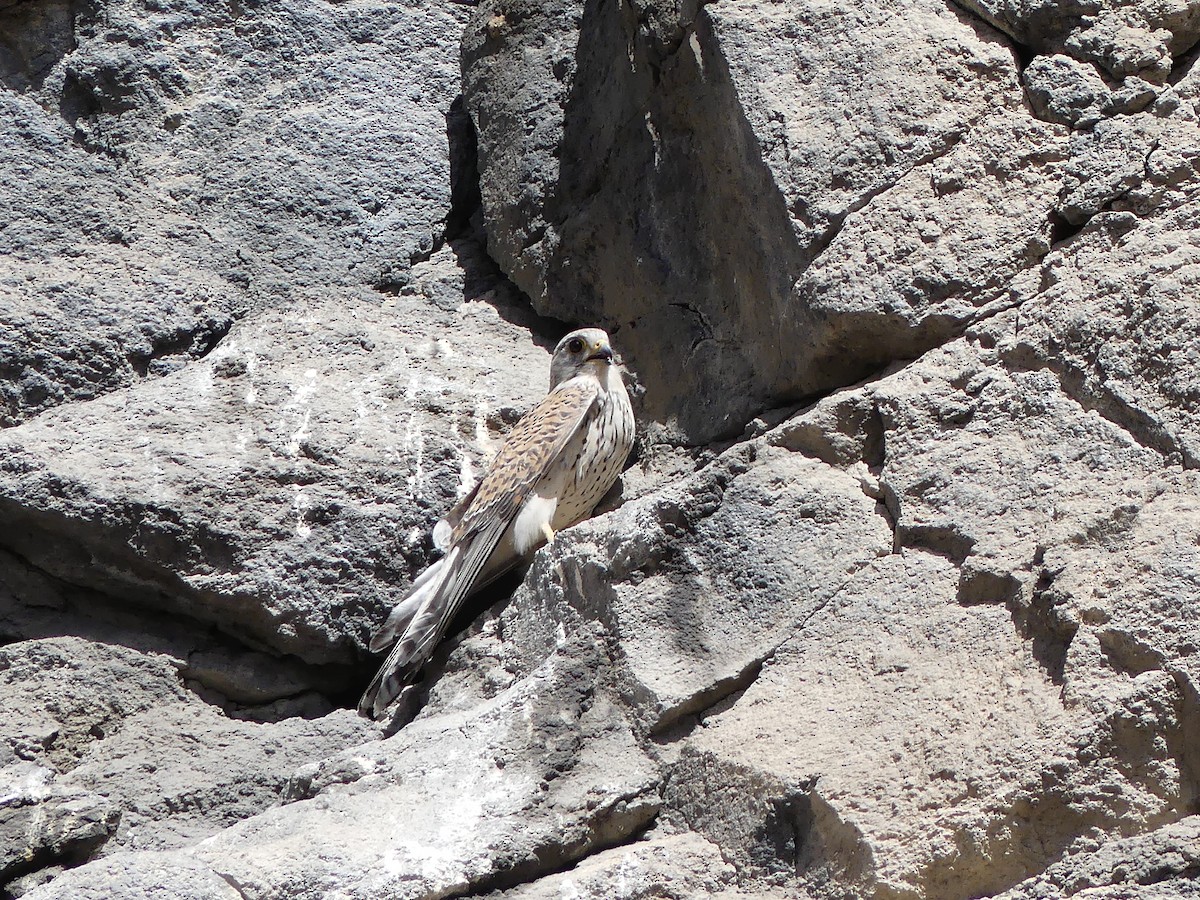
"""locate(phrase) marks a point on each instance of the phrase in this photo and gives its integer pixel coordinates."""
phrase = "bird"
(553, 468)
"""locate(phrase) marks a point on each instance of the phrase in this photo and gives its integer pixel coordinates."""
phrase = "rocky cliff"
(900, 596)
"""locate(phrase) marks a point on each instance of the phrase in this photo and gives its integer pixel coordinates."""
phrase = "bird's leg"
(548, 532)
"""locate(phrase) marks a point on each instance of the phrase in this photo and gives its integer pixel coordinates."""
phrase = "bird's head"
(579, 350)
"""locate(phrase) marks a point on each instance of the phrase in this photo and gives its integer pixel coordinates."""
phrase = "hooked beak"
(601, 350)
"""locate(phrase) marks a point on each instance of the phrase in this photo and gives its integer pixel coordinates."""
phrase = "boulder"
(1161, 863)
(172, 167)
(677, 170)
(110, 751)
(281, 488)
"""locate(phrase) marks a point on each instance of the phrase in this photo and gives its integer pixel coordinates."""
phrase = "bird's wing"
(526, 455)
(443, 531)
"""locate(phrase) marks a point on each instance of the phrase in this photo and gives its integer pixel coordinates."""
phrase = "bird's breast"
(594, 458)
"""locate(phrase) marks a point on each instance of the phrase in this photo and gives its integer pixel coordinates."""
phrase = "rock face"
(900, 597)
(694, 166)
(169, 168)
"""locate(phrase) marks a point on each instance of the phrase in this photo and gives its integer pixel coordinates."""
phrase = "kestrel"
(550, 473)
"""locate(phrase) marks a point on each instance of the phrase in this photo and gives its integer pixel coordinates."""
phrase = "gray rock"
(1126, 44)
(673, 866)
(1162, 863)
(1133, 96)
(942, 247)
(792, 778)
(1140, 164)
(313, 181)
(547, 772)
(699, 583)
(677, 177)
(173, 166)
(103, 281)
(930, 635)
(141, 876)
(245, 683)
(184, 773)
(1140, 368)
(1122, 37)
(342, 426)
(1066, 91)
(73, 692)
(41, 823)
(792, 775)
(1041, 24)
(111, 752)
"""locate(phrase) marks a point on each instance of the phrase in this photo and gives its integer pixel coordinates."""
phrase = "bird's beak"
(601, 350)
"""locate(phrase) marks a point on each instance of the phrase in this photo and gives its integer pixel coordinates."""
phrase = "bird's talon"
(548, 532)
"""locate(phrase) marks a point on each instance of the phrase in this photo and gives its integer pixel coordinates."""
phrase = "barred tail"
(421, 619)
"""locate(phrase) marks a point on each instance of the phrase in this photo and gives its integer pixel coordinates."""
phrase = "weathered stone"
(1136, 164)
(1041, 24)
(942, 246)
(697, 583)
(172, 166)
(1111, 320)
(1162, 863)
(243, 682)
(677, 177)
(183, 773)
(1026, 459)
(1124, 37)
(140, 876)
(787, 776)
(929, 636)
(35, 37)
(73, 692)
(1123, 45)
(103, 280)
(545, 773)
(1066, 91)
(342, 426)
(41, 823)
(675, 866)
(110, 752)
(855, 782)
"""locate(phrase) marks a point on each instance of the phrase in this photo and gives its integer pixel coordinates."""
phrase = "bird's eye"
(575, 345)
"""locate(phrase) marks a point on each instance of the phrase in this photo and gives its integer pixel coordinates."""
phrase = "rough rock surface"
(680, 172)
(289, 473)
(900, 597)
(170, 168)
(110, 751)
(1163, 863)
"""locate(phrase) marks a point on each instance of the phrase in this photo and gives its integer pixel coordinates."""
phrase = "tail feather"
(385, 687)
(397, 621)
(424, 615)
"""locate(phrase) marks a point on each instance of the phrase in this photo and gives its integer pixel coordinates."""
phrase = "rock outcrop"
(900, 597)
